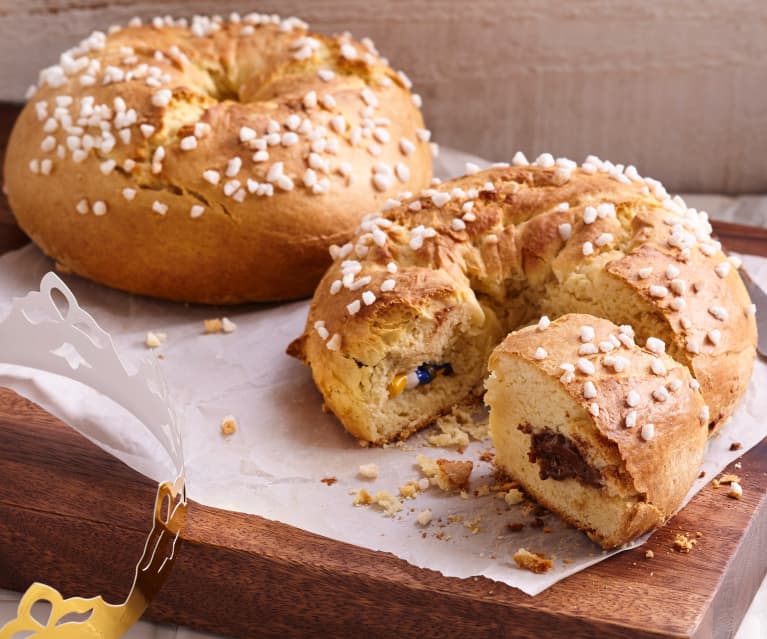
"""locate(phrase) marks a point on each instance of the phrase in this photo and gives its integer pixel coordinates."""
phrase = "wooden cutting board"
(76, 518)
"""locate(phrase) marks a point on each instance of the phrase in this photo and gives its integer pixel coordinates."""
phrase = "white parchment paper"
(285, 445)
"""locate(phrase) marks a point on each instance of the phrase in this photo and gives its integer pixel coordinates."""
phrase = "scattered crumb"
(368, 471)
(160, 356)
(482, 491)
(514, 497)
(361, 497)
(411, 488)
(457, 427)
(729, 479)
(473, 525)
(153, 340)
(683, 543)
(736, 446)
(228, 425)
(383, 499)
(362, 443)
(424, 517)
(487, 456)
(515, 527)
(212, 325)
(736, 491)
(701, 474)
(534, 562)
(649, 554)
(567, 560)
(329, 481)
(451, 436)
(448, 475)
(227, 325)
(698, 533)
(738, 465)
(456, 472)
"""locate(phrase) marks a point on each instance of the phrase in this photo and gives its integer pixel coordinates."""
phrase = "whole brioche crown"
(211, 160)
(443, 276)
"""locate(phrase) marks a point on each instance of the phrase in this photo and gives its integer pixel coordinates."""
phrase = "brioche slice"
(608, 435)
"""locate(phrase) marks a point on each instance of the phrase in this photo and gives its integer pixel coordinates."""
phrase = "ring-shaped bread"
(211, 161)
(397, 336)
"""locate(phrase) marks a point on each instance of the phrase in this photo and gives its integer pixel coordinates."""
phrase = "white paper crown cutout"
(63, 339)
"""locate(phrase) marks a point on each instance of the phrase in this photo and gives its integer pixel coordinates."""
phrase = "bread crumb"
(228, 425)
(736, 491)
(649, 554)
(153, 340)
(736, 446)
(457, 427)
(448, 475)
(567, 560)
(487, 456)
(683, 544)
(424, 517)
(362, 497)
(534, 562)
(515, 527)
(482, 491)
(227, 325)
(473, 525)
(383, 499)
(411, 488)
(729, 479)
(450, 437)
(368, 471)
(329, 481)
(456, 472)
(514, 497)
(212, 325)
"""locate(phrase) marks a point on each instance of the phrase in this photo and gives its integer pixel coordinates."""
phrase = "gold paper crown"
(67, 341)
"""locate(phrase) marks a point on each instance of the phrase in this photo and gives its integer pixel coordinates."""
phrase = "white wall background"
(677, 87)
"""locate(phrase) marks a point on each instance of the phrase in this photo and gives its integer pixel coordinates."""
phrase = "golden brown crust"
(651, 470)
(347, 128)
(516, 242)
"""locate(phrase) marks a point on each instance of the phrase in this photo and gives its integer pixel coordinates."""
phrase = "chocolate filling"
(559, 457)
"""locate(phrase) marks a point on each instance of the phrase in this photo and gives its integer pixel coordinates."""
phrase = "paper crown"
(63, 339)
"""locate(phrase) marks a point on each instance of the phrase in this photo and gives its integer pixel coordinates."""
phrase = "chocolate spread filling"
(559, 457)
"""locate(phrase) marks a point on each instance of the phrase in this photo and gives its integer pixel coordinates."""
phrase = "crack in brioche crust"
(211, 161)
(445, 275)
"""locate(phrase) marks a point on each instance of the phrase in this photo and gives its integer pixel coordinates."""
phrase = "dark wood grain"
(244, 576)
(60, 523)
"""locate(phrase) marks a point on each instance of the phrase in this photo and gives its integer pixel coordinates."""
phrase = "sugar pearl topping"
(655, 345)
(648, 432)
